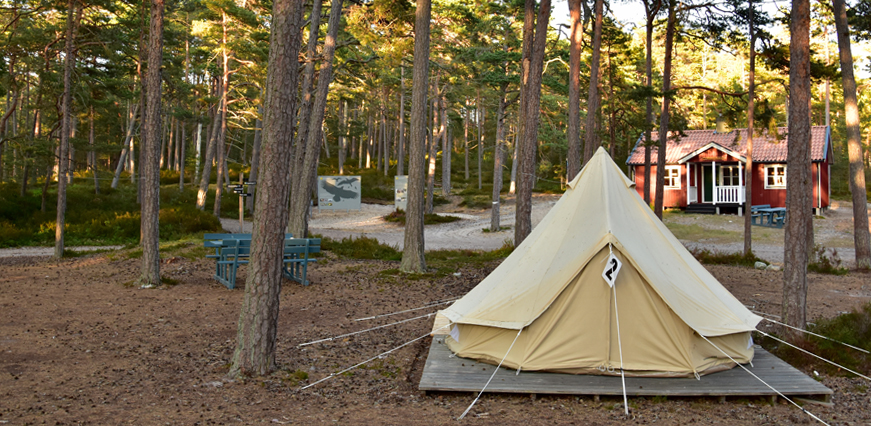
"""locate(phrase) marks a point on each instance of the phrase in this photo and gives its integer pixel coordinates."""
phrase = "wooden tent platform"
(443, 372)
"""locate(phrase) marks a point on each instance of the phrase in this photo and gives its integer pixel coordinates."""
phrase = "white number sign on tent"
(612, 268)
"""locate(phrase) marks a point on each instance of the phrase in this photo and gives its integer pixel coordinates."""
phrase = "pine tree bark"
(433, 146)
(447, 147)
(125, 151)
(298, 225)
(413, 250)
(664, 115)
(307, 95)
(400, 157)
(531, 87)
(254, 174)
(258, 322)
(591, 136)
(798, 182)
(479, 109)
(220, 146)
(466, 136)
(150, 272)
(748, 167)
(74, 15)
(861, 237)
(651, 9)
(211, 148)
(497, 159)
(573, 127)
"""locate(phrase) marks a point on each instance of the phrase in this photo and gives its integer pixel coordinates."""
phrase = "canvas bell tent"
(550, 302)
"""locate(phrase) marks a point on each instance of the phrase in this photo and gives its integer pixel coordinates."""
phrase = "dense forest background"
(214, 71)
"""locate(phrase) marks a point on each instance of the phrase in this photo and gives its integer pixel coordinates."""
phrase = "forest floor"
(80, 345)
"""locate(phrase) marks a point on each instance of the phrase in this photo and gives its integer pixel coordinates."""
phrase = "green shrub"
(398, 216)
(719, 258)
(826, 261)
(11, 235)
(477, 201)
(361, 248)
(853, 328)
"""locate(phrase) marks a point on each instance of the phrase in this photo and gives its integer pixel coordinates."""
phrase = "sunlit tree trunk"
(664, 115)
(74, 15)
(258, 320)
(497, 159)
(150, 273)
(433, 146)
(573, 127)
(413, 249)
(798, 181)
(861, 237)
(748, 169)
(447, 148)
(400, 156)
(591, 135)
(481, 112)
(531, 86)
(306, 95)
(651, 9)
(298, 224)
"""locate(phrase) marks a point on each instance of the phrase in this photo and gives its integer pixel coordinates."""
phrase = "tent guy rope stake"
(766, 384)
(328, 339)
(817, 335)
(814, 355)
(491, 377)
(370, 359)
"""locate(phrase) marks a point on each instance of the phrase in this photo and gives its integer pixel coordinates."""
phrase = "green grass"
(695, 232)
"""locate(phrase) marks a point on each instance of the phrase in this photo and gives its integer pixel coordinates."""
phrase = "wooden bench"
(755, 216)
(232, 250)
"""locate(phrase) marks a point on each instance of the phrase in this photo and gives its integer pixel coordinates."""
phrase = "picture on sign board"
(339, 192)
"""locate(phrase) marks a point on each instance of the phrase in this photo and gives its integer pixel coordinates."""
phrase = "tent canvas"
(551, 287)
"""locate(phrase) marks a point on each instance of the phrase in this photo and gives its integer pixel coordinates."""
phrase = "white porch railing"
(692, 195)
(730, 194)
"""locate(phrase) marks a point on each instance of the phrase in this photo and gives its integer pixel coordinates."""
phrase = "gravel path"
(49, 251)
(834, 230)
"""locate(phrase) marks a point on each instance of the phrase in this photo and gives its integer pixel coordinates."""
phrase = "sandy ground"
(80, 345)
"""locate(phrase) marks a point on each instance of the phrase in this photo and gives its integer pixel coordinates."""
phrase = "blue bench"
(232, 250)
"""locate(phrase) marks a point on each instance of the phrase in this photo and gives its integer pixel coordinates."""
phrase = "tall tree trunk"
(651, 9)
(497, 158)
(182, 151)
(298, 224)
(466, 136)
(128, 142)
(255, 159)
(209, 158)
(400, 160)
(305, 108)
(531, 86)
(343, 131)
(220, 146)
(150, 274)
(92, 155)
(447, 147)
(74, 15)
(413, 249)
(480, 115)
(748, 170)
(433, 146)
(573, 127)
(591, 136)
(258, 321)
(798, 182)
(664, 115)
(861, 238)
(512, 186)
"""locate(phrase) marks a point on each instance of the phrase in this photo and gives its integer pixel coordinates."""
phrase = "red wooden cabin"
(705, 169)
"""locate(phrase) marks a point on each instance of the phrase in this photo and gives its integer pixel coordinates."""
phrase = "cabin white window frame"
(779, 180)
(672, 177)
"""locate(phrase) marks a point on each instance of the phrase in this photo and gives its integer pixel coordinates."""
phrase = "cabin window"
(729, 176)
(775, 176)
(672, 177)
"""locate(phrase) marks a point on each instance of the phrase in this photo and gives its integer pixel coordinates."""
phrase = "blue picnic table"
(232, 250)
(771, 217)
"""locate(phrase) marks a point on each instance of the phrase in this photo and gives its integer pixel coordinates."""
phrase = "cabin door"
(707, 184)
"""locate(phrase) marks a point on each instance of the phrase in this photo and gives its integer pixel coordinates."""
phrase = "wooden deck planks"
(443, 372)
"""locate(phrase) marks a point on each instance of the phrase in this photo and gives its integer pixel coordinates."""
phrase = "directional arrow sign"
(251, 183)
(245, 194)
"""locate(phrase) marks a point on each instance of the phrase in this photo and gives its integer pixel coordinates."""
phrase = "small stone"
(760, 265)
(772, 268)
